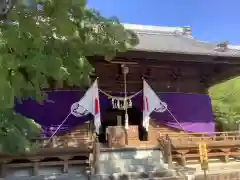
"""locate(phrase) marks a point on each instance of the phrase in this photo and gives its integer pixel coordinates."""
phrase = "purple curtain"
(55, 109)
(193, 111)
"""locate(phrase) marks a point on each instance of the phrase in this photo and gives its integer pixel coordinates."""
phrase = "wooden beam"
(160, 56)
(224, 75)
(47, 163)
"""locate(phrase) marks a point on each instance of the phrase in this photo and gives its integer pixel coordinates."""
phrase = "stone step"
(124, 167)
(131, 161)
(131, 154)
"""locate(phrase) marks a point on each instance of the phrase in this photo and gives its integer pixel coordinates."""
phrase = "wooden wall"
(162, 76)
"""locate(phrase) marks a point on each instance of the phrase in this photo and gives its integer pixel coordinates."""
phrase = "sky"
(210, 20)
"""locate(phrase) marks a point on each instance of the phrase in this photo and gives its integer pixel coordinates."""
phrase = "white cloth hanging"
(89, 103)
(151, 102)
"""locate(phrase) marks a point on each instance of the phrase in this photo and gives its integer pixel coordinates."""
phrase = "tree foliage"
(49, 41)
(226, 104)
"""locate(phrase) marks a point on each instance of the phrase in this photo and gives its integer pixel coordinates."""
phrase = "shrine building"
(176, 67)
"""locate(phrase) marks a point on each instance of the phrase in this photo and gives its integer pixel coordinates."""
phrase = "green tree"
(48, 44)
(226, 104)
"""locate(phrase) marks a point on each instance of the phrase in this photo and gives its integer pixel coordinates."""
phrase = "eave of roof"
(174, 40)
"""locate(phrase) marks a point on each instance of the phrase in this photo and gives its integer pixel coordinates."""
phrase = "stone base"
(131, 160)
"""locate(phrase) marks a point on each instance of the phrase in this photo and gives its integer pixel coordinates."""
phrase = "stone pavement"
(129, 176)
(217, 171)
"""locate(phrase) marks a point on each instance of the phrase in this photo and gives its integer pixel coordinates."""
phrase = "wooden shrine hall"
(178, 67)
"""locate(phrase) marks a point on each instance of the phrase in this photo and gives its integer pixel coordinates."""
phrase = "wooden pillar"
(91, 161)
(65, 165)
(126, 136)
(119, 120)
(183, 160)
(109, 136)
(169, 153)
(96, 157)
(54, 142)
(165, 151)
(226, 157)
(35, 167)
(3, 170)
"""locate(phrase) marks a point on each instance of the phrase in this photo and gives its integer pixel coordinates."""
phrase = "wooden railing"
(72, 149)
(78, 139)
(185, 145)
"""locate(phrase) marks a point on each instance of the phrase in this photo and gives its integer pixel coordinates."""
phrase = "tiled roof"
(178, 40)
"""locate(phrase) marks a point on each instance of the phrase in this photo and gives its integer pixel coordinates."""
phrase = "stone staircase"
(130, 160)
(134, 163)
